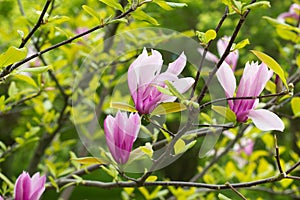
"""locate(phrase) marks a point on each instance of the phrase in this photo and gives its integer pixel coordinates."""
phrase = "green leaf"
(241, 44)
(163, 4)
(223, 197)
(210, 35)
(114, 21)
(177, 5)
(140, 15)
(272, 64)
(298, 61)
(287, 34)
(114, 4)
(295, 103)
(179, 146)
(26, 79)
(174, 91)
(168, 107)
(225, 112)
(164, 90)
(12, 90)
(91, 12)
(36, 70)
(90, 160)
(265, 4)
(123, 106)
(12, 55)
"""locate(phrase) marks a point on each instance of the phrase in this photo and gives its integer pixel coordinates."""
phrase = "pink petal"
(227, 80)
(183, 84)
(38, 186)
(178, 65)
(265, 120)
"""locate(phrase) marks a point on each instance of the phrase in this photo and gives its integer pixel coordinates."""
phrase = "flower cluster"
(144, 74)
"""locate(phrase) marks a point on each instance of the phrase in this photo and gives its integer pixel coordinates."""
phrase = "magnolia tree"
(149, 98)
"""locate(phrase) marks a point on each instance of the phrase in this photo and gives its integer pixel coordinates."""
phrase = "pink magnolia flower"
(27, 188)
(252, 83)
(120, 133)
(222, 44)
(294, 13)
(1, 198)
(145, 73)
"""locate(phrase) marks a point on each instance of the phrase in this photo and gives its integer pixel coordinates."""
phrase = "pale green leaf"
(114, 4)
(177, 5)
(90, 160)
(225, 112)
(36, 70)
(140, 15)
(164, 90)
(272, 64)
(163, 4)
(12, 55)
(210, 35)
(265, 4)
(179, 146)
(91, 12)
(12, 90)
(223, 197)
(26, 79)
(114, 21)
(241, 44)
(174, 90)
(296, 106)
(168, 107)
(123, 106)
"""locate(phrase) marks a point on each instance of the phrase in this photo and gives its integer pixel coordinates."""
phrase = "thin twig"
(225, 54)
(236, 191)
(205, 52)
(244, 98)
(277, 156)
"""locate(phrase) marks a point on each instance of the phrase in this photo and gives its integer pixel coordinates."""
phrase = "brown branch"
(205, 52)
(236, 191)
(277, 156)
(225, 54)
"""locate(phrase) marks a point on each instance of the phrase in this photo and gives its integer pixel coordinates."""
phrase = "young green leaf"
(12, 55)
(177, 5)
(140, 15)
(296, 106)
(91, 11)
(210, 35)
(241, 44)
(12, 90)
(167, 108)
(265, 4)
(163, 4)
(90, 161)
(114, 4)
(223, 197)
(122, 106)
(36, 70)
(272, 64)
(174, 91)
(225, 112)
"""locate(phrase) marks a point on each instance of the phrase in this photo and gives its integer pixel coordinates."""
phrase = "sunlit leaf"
(179, 146)
(36, 70)
(210, 35)
(264, 4)
(12, 90)
(91, 11)
(90, 160)
(296, 106)
(223, 197)
(141, 15)
(163, 4)
(122, 106)
(174, 90)
(26, 79)
(114, 4)
(151, 178)
(242, 44)
(168, 107)
(225, 112)
(12, 55)
(272, 64)
(177, 5)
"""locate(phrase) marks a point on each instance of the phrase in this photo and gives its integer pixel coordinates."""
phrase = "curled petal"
(265, 120)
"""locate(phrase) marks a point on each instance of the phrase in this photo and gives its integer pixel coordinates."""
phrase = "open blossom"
(27, 188)
(222, 44)
(251, 84)
(145, 73)
(294, 13)
(120, 133)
